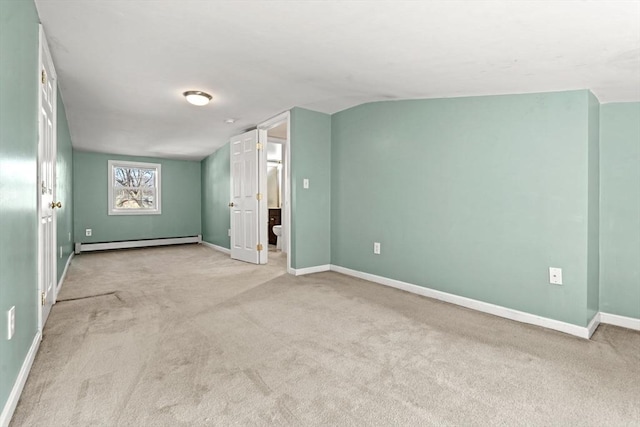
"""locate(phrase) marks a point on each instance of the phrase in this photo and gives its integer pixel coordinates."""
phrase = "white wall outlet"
(69, 236)
(229, 232)
(60, 252)
(555, 276)
(88, 232)
(305, 183)
(11, 322)
(376, 248)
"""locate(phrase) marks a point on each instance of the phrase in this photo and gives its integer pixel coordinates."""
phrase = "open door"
(46, 183)
(248, 198)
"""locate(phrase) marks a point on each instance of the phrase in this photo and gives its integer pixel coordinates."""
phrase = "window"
(134, 188)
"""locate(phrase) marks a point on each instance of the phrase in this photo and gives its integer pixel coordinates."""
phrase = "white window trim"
(141, 165)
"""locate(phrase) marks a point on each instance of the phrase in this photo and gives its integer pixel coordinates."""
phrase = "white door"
(248, 198)
(46, 183)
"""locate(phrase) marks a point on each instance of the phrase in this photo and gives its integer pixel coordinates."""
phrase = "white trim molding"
(16, 390)
(66, 268)
(593, 325)
(622, 321)
(496, 310)
(64, 273)
(216, 247)
(310, 270)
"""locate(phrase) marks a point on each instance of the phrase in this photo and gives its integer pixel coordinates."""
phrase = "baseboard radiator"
(88, 247)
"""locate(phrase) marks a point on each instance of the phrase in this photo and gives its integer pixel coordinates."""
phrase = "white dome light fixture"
(197, 97)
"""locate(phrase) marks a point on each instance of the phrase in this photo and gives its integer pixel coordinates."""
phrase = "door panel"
(46, 183)
(250, 230)
(245, 203)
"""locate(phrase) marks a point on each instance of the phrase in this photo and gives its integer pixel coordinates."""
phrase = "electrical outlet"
(229, 232)
(555, 276)
(60, 252)
(11, 322)
(305, 183)
(88, 232)
(69, 236)
(376, 248)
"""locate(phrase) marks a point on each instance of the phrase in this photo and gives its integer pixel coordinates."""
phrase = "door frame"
(266, 125)
(43, 48)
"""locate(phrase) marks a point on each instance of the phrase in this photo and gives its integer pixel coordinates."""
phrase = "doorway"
(278, 162)
(275, 176)
(251, 223)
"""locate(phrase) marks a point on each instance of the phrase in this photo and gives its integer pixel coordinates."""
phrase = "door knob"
(55, 205)
(231, 205)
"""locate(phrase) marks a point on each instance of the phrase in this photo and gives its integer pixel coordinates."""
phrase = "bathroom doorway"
(277, 173)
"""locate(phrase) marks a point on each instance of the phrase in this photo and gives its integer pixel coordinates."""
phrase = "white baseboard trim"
(622, 321)
(496, 310)
(216, 247)
(64, 273)
(86, 247)
(310, 270)
(16, 391)
(593, 325)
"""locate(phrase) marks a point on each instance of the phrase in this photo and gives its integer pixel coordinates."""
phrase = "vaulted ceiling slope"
(123, 64)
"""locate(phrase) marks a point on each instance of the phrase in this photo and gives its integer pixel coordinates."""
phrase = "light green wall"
(18, 213)
(472, 196)
(620, 209)
(64, 189)
(310, 208)
(215, 198)
(180, 201)
(593, 209)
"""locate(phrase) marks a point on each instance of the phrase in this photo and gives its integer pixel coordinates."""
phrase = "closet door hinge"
(259, 247)
(259, 146)
(43, 77)
(259, 196)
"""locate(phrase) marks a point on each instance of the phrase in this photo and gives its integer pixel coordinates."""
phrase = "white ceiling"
(123, 64)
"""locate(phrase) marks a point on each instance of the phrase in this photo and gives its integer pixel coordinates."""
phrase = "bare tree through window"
(134, 187)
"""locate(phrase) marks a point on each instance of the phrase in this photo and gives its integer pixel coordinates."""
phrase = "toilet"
(277, 230)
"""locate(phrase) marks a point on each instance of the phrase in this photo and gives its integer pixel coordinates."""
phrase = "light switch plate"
(11, 322)
(376, 248)
(555, 276)
(305, 183)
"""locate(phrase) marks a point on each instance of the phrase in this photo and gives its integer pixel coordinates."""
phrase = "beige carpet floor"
(185, 336)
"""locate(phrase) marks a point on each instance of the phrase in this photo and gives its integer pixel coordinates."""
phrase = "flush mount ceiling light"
(197, 97)
(230, 121)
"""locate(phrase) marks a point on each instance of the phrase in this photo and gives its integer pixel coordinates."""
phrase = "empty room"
(319, 212)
